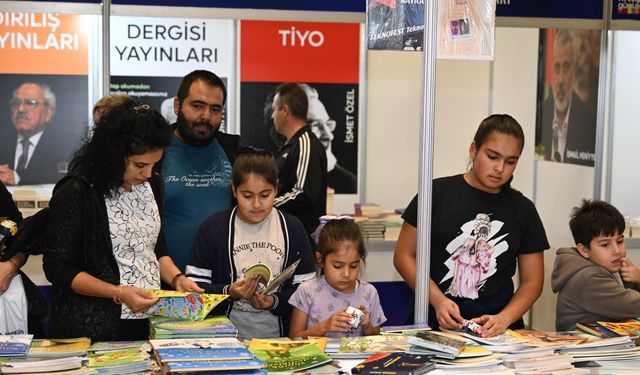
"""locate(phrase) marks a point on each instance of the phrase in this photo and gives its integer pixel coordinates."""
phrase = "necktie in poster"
(149, 57)
(43, 94)
(325, 59)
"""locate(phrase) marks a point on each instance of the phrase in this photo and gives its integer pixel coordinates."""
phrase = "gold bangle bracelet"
(116, 296)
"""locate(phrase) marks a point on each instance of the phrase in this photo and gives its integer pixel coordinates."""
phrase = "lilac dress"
(319, 301)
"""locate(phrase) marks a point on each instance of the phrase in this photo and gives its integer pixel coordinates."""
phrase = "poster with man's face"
(567, 96)
(324, 59)
(43, 95)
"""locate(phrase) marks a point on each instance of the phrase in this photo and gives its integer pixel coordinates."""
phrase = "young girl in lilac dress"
(320, 304)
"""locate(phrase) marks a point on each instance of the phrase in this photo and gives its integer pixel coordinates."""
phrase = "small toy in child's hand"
(356, 316)
(471, 327)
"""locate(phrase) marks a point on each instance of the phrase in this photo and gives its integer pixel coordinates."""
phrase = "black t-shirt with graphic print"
(475, 239)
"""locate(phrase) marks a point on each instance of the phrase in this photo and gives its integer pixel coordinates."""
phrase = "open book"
(187, 305)
(268, 282)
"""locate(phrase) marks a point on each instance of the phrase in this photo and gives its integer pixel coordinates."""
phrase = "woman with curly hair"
(104, 243)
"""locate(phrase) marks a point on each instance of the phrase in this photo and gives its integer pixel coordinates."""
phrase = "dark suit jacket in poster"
(581, 136)
(51, 150)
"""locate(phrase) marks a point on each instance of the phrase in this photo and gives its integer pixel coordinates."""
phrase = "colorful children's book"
(411, 329)
(14, 345)
(60, 347)
(630, 327)
(188, 305)
(268, 282)
(366, 346)
(395, 364)
(221, 366)
(119, 358)
(110, 346)
(282, 354)
(163, 327)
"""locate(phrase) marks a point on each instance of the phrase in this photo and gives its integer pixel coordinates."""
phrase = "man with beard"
(197, 167)
(568, 125)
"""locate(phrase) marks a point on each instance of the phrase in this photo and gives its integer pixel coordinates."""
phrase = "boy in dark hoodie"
(595, 280)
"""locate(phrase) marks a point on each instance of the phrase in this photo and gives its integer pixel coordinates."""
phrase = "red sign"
(299, 52)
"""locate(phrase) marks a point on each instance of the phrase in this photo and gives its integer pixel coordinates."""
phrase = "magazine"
(268, 283)
(31, 366)
(282, 354)
(187, 305)
(14, 345)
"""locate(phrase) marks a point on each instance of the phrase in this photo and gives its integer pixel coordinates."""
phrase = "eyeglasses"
(331, 124)
(29, 103)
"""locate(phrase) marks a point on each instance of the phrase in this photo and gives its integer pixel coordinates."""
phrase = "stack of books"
(367, 209)
(52, 356)
(15, 345)
(541, 360)
(436, 344)
(205, 355)
(175, 328)
(371, 228)
(120, 357)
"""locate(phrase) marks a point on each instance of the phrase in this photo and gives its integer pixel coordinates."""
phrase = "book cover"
(394, 364)
(218, 342)
(411, 329)
(539, 338)
(222, 366)
(590, 328)
(365, 346)
(59, 347)
(14, 345)
(268, 283)
(117, 358)
(110, 346)
(202, 354)
(630, 327)
(438, 342)
(187, 305)
(218, 325)
(282, 354)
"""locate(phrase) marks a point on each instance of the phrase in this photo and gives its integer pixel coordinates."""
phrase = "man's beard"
(192, 137)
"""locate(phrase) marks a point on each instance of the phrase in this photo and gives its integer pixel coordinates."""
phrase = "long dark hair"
(126, 130)
(503, 124)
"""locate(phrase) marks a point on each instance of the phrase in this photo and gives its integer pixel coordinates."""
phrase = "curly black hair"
(126, 130)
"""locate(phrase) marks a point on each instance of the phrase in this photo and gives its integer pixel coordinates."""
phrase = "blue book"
(14, 345)
(202, 354)
(193, 366)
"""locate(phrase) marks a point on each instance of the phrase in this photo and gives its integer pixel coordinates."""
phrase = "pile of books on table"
(205, 355)
(23, 355)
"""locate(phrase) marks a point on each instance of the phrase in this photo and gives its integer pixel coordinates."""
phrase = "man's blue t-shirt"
(197, 184)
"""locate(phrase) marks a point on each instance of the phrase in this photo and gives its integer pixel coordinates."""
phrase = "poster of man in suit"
(43, 121)
(567, 96)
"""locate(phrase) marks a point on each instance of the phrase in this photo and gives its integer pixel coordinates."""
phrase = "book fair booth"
(403, 99)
